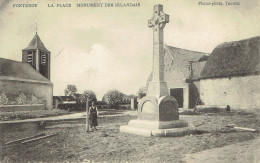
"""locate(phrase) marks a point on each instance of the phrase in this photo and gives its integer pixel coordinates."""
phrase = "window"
(43, 58)
(29, 57)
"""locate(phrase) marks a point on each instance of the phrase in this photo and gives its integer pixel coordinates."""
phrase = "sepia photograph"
(130, 81)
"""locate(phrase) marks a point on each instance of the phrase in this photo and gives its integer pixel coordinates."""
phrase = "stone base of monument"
(158, 128)
(158, 117)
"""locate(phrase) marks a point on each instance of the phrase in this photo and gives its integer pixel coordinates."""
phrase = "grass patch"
(19, 115)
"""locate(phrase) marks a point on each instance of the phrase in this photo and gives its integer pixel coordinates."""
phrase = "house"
(231, 75)
(63, 100)
(67, 101)
(181, 66)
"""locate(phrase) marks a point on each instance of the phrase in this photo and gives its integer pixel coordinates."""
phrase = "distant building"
(30, 77)
(73, 99)
(74, 102)
(231, 75)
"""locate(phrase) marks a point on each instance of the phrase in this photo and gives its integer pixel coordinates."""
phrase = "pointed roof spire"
(36, 43)
(36, 28)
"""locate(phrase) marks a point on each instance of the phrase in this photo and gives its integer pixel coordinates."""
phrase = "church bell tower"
(37, 56)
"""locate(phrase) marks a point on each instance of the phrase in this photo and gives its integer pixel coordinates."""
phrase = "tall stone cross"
(157, 87)
(157, 112)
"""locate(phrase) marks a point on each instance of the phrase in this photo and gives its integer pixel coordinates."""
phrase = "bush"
(113, 98)
(30, 115)
(73, 107)
(88, 94)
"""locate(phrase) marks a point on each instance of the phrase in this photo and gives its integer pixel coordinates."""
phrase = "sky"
(103, 48)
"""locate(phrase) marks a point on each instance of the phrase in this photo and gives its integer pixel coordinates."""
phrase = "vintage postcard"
(129, 81)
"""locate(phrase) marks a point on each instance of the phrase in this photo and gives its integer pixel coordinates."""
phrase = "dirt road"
(108, 144)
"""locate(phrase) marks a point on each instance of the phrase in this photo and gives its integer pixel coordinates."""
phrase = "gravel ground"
(244, 152)
(107, 144)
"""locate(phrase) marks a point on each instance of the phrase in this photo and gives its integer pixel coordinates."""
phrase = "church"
(27, 82)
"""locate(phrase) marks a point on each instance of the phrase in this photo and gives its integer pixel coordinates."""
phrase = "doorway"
(177, 93)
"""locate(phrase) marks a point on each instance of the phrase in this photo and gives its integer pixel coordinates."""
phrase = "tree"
(142, 92)
(70, 90)
(114, 98)
(88, 94)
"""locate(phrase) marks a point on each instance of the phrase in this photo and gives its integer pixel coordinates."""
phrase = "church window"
(30, 57)
(43, 58)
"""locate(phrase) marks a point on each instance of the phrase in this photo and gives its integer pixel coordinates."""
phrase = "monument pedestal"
(157, 128)
(170, 132)
(158, 118)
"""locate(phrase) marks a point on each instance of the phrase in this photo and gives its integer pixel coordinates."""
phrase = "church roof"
(10, 69)
(235, 58)
(36, 43)
(183, 56)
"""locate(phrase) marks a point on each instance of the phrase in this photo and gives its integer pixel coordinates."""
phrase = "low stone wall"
(41, 90)
(13, 108)
(211, 108)
(73, 107)
(125, 106)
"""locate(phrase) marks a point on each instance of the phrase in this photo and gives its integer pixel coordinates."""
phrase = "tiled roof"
(21, 70)
(36, 43)
(183, 56)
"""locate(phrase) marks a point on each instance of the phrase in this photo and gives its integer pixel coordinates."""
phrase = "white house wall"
(238, 92)
(175, 79)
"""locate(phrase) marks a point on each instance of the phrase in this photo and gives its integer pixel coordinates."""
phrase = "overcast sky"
(111, 48)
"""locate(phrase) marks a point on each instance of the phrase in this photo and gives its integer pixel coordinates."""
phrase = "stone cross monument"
(157, 87)
(157, 112)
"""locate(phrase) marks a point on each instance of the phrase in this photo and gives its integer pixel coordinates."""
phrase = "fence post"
(87, 116)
